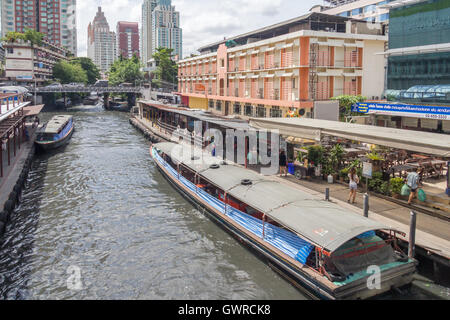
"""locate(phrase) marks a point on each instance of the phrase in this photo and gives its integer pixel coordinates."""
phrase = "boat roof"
(56, 123)
(320, 222)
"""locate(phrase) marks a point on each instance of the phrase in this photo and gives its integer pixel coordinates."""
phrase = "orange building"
(284, 68)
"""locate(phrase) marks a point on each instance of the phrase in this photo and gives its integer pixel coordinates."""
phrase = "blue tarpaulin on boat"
(284, 240)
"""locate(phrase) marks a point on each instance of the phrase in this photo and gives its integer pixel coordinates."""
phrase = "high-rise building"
(56, 19)
(166, 28)
(146, 32)
(101, 47)
(127, 34)
(166, 31)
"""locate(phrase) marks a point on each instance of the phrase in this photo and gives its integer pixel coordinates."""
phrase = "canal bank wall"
(13, 183)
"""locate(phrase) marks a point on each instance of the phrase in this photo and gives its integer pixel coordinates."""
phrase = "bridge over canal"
(106, 91)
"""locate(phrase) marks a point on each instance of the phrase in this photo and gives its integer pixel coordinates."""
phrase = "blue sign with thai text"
(408, 110)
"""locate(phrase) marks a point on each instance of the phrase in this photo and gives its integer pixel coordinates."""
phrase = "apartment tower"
(56, 19)
(127, 34)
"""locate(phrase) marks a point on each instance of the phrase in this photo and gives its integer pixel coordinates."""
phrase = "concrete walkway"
(432, 233)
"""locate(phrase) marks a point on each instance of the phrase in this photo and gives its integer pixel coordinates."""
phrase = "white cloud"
(202, 21)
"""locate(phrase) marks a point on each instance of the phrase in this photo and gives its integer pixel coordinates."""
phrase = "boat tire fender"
(246, 182)
(13, 196)
(9, 206)
(4, 217)
(214, 166)
(17, 188)
(337, 278)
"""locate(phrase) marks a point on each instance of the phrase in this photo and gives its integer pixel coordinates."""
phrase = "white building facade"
(368, 10)
(101, 46)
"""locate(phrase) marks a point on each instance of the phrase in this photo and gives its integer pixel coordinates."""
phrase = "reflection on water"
(100, 206)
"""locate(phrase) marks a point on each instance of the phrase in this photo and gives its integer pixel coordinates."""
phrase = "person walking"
(353, 184)
(412, 180)
(283, 163)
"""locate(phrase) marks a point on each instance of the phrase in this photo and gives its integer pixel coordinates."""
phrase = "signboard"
(407, 110)
(199, 87)
(25, 77)
(367, 170)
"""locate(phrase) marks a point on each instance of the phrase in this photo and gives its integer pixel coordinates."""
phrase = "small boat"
(323, 250)
(91, 100)
(60, 103)
(55, 133)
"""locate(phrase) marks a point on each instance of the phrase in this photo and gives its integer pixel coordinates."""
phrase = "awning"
(32, 110)
(423, 142)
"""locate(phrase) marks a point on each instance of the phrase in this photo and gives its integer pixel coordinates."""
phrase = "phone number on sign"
(437, 116)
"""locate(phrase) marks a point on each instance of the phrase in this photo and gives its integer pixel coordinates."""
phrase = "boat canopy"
(320, 222)
(56, 123)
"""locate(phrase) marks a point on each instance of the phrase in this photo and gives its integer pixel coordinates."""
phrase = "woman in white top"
(354, 180)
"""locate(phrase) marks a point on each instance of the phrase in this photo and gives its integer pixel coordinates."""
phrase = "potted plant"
(376, 159)
(315, 155)
(395, 187)
(343, 174)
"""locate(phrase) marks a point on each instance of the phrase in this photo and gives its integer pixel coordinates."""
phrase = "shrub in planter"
(395, 186)
(343, 174)
(385, 188)
(376, 181)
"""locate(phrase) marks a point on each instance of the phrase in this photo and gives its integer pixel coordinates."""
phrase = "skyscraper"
(56, 19)
(165, 28)
(101, 45)
(146, 32)
(166, 31)
(127, 34)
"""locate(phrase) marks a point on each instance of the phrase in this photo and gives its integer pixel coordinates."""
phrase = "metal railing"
(75, 89)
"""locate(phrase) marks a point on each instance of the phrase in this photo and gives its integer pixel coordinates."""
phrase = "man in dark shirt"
(283, 163)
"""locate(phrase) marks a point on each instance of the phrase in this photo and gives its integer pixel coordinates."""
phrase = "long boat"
(322, 249)
(55, 133)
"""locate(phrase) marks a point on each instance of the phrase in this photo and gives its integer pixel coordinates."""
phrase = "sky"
(202, 21)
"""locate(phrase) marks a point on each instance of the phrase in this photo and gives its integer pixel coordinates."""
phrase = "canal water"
(98, 221)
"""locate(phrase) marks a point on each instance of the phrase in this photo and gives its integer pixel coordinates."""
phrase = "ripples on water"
(101, 205)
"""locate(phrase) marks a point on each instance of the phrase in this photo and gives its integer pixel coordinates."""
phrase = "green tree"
(92, 71)
(34, 37)
(13, 36)
(166, 68)
(126, 70)
(346, 102)
(66, 72)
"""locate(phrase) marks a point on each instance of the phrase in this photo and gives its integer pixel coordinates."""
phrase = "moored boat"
(325, 251)
(55, 133)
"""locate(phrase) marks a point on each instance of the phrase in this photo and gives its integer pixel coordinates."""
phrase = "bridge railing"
(87, 89)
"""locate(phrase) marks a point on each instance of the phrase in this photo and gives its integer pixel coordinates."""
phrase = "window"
(249, 110)
(260, 111)
(356, 12)
(237, 108)
(275, 112)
